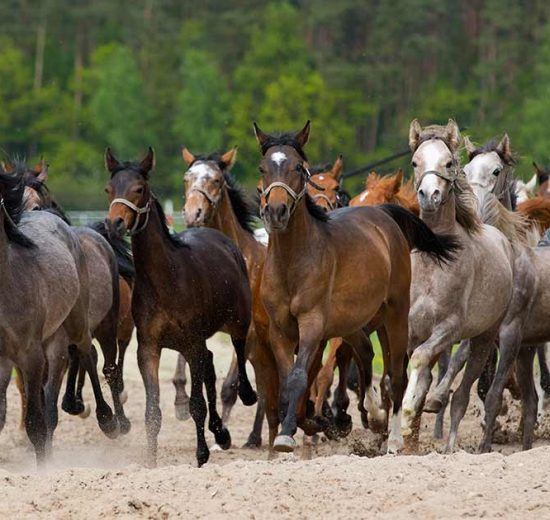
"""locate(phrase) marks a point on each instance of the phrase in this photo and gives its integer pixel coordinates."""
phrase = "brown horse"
(387, 189)
(543, 174)
(188, 286)
(537, 212)
(341, 274)
(214, 199)
(325, 187)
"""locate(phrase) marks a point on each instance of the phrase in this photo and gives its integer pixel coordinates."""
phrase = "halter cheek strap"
(449, 177)
(136, 228)
(293, 195)
(331, 206)
(213, 200)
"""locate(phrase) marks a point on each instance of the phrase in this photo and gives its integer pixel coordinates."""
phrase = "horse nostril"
(198, 213)
(436, 195)
(281, 211)
(118, 223)
(421, 193)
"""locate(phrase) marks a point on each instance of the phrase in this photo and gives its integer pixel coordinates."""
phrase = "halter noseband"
(212, 200)
(331, 206)
(136, 228)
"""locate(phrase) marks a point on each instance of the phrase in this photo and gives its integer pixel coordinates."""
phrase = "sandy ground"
(91, 476)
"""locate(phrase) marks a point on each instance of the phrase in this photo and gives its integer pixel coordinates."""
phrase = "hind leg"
(197, 364)
(480, 349)
(181, 403)
(528, 394)
(69, 403)
(122, 347)
(6, 366)
(106, 420)
(246, 392)
(230, 388)
(442, 367)
(215, 425)
(340, 404)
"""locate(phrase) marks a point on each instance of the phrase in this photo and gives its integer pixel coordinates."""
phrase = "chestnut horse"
(214, 199)
(325, 187)
(387, 189)
(339, 274)
(543, 174)
(188, 286)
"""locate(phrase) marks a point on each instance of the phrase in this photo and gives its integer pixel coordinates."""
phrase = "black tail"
(440, 247)
(122, 251)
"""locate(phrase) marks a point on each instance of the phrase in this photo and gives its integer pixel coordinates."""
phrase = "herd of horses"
(452, 256)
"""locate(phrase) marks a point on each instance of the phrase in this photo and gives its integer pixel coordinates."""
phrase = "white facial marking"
(278, 157)
(321, 177)
(363, 195)
(432, 155)
(201, 170)
(480, 172)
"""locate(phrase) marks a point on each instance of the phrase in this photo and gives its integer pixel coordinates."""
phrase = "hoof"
(248, 396)
(72, 407)
(110, 427)
(203, 456)
(394, 447)
(344, 425)
(182, 411)
(223, 439)
(253, 442)
(284, 444)
(124, 424)
(433, 405)
(123, 396)
(85, 412)
(215, 447)
(377, 424)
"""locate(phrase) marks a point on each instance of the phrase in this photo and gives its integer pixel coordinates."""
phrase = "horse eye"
(139, 190)
(449, 164)
(260, 169)
(496, 172)
(414, 165)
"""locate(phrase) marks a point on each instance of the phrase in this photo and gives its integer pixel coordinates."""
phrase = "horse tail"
(440, 247)
(122, 251)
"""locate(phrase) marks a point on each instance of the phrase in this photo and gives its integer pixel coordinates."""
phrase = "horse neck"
(292, 245)
(444, 219)
(151, 249)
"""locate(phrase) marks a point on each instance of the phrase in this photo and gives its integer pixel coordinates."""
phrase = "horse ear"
(148, 163)
(41, 168)
(303, 135)
(532, 184)
(453, 134)
(414, 134)
(261, 137)
(111, 162)
(229, 158)
(398, 180)
(372, 179)
(188, 157)
(470, 147)
(504, 146)
(338, 168)
(8, 167)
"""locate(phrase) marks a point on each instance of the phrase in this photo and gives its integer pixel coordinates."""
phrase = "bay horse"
(106, 305)
(458, 305)
(45, 310)
(543, 174)
(332, 275)
(387, 189)
(213, 198)
(188, 286)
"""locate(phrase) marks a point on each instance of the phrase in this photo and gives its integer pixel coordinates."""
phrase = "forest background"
(76, 76)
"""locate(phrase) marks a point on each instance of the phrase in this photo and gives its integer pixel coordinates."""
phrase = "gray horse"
(470, 297)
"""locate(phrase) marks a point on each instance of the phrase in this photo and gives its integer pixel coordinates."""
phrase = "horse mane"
(320, 168)
(434, 132)
(492, 146)
(174, 239)
(211, 157)
(406, 196)
(130, 165)
(13, 188)
(245, 210)
(283, 139)
(315, 210)
(513, 225)
(466, 212)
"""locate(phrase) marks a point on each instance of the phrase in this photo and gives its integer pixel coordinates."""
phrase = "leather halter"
(212, 200)
(331, 206)
(6, 214)
(136, 228)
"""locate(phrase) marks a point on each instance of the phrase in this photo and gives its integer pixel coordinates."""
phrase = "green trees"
(77, 76)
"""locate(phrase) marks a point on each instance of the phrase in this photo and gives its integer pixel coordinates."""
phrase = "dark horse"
(188, 286)
(337, 274)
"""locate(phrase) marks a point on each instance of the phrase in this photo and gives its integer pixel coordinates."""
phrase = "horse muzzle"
(276, 216)
(116, 227)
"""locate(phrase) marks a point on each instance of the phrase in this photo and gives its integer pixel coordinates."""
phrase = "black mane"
(40, 187)
(283, 139)
(315, 210)
(12, 187)
(212, 157)
(175, 240)
(134, 166)
(245, 210)
(492, 146)
(320, 168)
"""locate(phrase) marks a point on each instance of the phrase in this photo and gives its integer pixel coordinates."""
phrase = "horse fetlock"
(284, 444)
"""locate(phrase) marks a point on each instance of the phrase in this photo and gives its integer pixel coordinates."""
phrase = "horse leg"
(21, 387)
(487, 376)
(122, 347)
(529, 396)
(6, 366)
(56, 355)
(438, 399)
(215, 425)
(79, 400)
(106, 420)
(181, 404)
(509, 345)
(442, 367)
(297, 381)
(230, 388)
(69, 403)
(340, 403)
(420, 378)
(148, 355)
(326, 375)
(105, 334)
(246, 392)
(35, 422)
(197, 406)
(480, 349)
